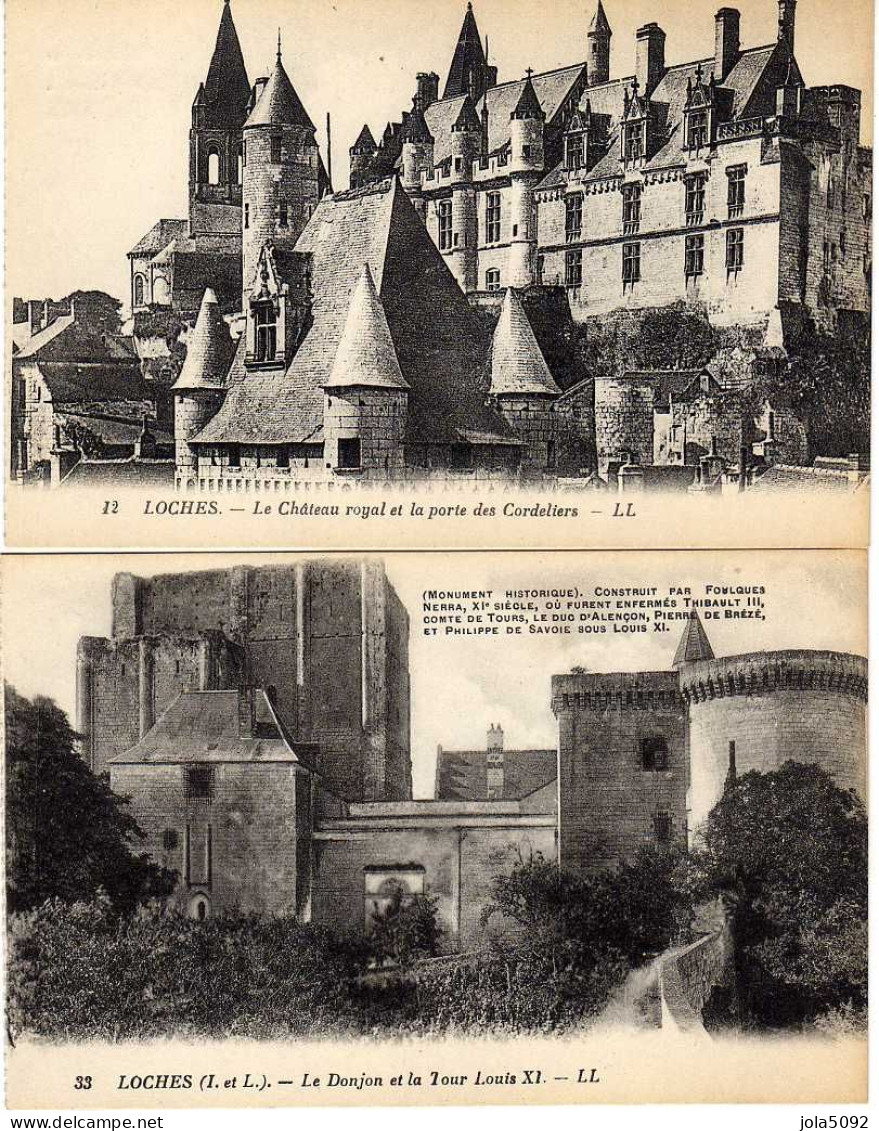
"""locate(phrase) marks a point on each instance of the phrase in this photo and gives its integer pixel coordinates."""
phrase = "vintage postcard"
(503, 273)
(435, 828)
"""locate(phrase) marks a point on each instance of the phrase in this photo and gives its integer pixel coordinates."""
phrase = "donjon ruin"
(258, 718)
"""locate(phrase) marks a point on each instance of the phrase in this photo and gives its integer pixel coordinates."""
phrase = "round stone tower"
(523, 388)
(466, 143)
(759, 710)
(526, 169)
(361, 156)
(201, 387)
(417, 156)
(281, 163)
(366, 397)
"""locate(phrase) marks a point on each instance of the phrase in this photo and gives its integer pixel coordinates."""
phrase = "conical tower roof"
(365, 142)
(227, 87)
(599, 25)
(528, 105)
(208, 354)
(366, 354)
(279, 104)
(416, 128)
(517, 364)
(694, 645)
(469, 54)
(467, 120)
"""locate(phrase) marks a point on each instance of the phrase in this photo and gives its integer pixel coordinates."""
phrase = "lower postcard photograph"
(477, 828)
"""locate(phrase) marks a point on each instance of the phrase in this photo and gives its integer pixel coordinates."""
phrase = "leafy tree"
(406, 929)
(789, 851)
(67, 834)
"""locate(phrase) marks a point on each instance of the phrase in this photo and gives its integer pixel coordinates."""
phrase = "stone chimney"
(245, 712)
(495, 738)
(427, 89)
(146, 445)
(35, 311)
(649, 57)
(787, 21)
(726, 42)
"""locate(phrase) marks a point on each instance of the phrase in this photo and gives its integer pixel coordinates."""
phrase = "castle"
(724, 183)
(258, 719)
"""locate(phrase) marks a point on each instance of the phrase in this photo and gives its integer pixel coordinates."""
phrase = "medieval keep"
(259, 720)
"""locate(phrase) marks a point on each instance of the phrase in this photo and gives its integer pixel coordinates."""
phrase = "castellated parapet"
(759, 710)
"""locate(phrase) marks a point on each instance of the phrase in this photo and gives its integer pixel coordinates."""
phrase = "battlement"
(601, 691)
(763, 673)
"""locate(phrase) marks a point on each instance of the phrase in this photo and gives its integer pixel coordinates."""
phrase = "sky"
(814, 599)
(99, 93)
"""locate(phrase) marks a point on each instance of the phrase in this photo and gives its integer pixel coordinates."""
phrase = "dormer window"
(697, 129)
(634, 145)
(266, 331)
(633, 134)
(699, 112)
(575, 151)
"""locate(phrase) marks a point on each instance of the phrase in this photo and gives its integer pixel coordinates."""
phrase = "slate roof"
(227, 88)
(78, 382)
(208, 351)
(365, 142)
(114, 430)
(517, 365)
(440, 343)
(694, 645)
(468, 55)
(787, 478)
(43, 337)
(749, 87)
(122, 473)
(202, 726)
(159, 236)
(279, 104)
(462, 774)
(528, 105)
(552, 89)
(366, 355)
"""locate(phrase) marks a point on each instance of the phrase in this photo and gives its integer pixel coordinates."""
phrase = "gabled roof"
(159, 236)
(366, 356)
(517, 365)
(747, 91)
(694, 645)
(90, 382)
(227, 87)
(468, 55)
(463, 774)
(209, 350)
(43, 337)
(279, 104)
(440, 343)
(203, 726)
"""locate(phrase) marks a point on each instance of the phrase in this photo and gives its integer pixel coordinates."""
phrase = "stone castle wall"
(608, 801)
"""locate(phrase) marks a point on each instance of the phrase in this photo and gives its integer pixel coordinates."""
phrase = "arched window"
(213, 167)
(161, 291)
(139, 290)
(200, 908)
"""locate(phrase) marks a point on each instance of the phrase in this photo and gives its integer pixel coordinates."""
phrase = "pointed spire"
(227, 87)
(695, 645)
(599, 25)
(365, 141)
(517, 364)
(208, 352)
(528, 105)
(278, 56)
(469, 57)
(279, 104)
(366, 354)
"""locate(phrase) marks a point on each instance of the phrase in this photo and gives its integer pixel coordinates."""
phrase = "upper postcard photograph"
(383, 274)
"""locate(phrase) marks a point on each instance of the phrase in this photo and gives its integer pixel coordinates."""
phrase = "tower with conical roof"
(599, 36)
(361, 154)
(526, 170)
(218, 114)
(417, 155)
(201, 386)
(469, 72)
(466, 146)
(366, 397)
(522, 386)
(281, 171)
(694, 645)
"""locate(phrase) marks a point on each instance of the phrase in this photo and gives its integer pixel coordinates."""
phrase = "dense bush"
(79, 971)
(788, 850)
